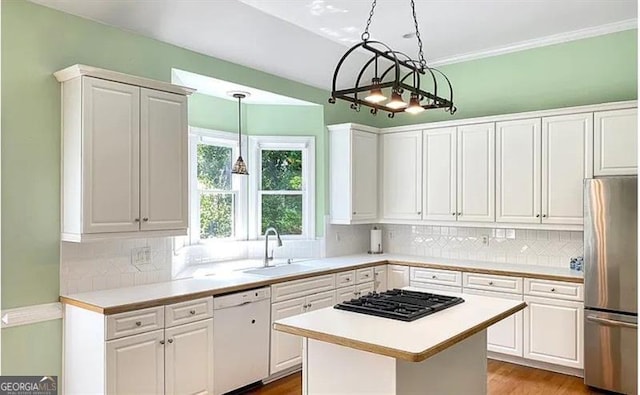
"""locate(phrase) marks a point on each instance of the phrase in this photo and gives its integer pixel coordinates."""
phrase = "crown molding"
(540, 42)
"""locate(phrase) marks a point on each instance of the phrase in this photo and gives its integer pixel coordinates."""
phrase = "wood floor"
(504, 378)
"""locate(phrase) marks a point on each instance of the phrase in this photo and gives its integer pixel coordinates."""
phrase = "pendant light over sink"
(398, 74)
(239, 167)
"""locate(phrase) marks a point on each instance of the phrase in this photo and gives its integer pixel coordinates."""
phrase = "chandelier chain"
(365, 35)
(423, 62)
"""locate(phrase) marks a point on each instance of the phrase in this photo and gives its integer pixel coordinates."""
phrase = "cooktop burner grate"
(399, 304)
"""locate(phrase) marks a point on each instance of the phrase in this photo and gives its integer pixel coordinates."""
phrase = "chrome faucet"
(268, 258)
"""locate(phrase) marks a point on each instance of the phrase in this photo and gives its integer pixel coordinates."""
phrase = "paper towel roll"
(376, 241)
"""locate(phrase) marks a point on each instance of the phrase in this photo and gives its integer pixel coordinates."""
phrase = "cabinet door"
(110, 156)
(504, 336)
(346, 293)
(616, 142)
(135, 364)
(518, 171)
(163, 160)
(380, 276)
(476, 173)
(397, 276)
(439, 174)
(286, 349)
(364, 176)
(365, 288)
(402, 175)
(321, 300)
(553, 331)
(189, 358)
(567, 144)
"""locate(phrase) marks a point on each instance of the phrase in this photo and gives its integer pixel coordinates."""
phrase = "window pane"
(216, 213)
(284, 212)
(281, 170)
(214, 167)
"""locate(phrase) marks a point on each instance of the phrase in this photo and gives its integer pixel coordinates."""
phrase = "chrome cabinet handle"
(192, 312)
(161, 341)
(145, 219)
(367, 275)
(544, 215)
(490, 282)
(453, 214)
(537, 215)
(354, 213)
(419, 212)
(348, 279)
(170, 341)
(309, 305)
(137, 220)
(434, 276)
(459, 213)
(606, 321)
(138, 323)
(553, 290)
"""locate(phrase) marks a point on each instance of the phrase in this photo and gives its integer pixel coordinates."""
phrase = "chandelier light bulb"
(375, 94)
(414, 105)
(396, 101)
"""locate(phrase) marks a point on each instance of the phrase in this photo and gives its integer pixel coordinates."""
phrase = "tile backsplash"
(530, 247)
(108, 264)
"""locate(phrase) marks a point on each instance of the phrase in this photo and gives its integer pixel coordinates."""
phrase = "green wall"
(590, 71)
(36, 41)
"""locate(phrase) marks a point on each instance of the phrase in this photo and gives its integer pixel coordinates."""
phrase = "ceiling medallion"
(399, 74)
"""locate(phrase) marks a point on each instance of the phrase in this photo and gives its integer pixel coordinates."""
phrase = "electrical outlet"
(485, 240)
(141, 256)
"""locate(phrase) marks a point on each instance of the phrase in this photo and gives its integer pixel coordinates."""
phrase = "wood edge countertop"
(123, 308)
(392, 352)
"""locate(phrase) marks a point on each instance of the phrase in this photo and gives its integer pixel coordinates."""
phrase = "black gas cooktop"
(399, 304)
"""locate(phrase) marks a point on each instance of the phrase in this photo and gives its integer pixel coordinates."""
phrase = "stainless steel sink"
(274, 271)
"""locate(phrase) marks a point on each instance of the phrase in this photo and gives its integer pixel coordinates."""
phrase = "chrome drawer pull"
(434, 276)
(138, 323)
(606, 321)
(161, 341)
(553, 290)
(192, 312)
(490, 282)
(170, 340)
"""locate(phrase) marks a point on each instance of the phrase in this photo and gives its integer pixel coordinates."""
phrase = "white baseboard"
(284, 373)
(30, 314)
(536, 364)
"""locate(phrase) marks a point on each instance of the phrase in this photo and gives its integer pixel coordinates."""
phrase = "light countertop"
(412, 341)
(131, 298)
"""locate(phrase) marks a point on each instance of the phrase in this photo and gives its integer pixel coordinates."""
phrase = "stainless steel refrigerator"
(611, 287)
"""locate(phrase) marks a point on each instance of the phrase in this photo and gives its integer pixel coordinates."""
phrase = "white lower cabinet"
(553, 331)
(504, 336)
(176, 360)
(135, 364)
(397, 276)
(286, 350)
(380, 278)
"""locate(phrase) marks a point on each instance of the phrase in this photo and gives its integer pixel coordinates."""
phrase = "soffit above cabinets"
(303, 40)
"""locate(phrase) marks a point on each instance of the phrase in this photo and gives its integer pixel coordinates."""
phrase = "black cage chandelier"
(396, 73)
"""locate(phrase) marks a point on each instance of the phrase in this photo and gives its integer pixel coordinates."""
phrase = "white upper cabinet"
(107, 170)
(163, 160)
(476, 168)
(124, 155)
(616, 142)
(518, 171)
(439, 174)
(353, 164)
(567, 143)
(402, 175)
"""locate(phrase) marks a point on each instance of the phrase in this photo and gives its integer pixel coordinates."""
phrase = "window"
(283, 188)
(216, 194)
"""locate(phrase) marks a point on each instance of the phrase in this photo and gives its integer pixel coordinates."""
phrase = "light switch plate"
(140, 256)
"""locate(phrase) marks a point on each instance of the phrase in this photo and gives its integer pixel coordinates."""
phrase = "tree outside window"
(281, 191)
(216, 197)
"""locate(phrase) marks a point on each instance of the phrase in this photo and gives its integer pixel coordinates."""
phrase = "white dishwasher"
(241, 333)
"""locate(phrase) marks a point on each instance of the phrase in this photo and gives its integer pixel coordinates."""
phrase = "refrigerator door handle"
(606, 321)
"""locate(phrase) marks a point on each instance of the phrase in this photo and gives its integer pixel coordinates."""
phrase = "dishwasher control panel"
(240, 298)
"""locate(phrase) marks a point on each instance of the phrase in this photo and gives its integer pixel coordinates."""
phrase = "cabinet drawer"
(134, 322)
(303, 287)
(553, 289)
(491, 282)
(436, 276)
(364, 275)
(189, 311)
(345, 278)
(436, 288)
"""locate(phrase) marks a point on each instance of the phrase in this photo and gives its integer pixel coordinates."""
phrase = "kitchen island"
(443, 353)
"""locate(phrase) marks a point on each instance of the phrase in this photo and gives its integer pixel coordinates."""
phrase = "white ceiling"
(220, 88)
(302, 40)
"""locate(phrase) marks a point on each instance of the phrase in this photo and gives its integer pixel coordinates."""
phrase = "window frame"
(306, 144)
(238, 184)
